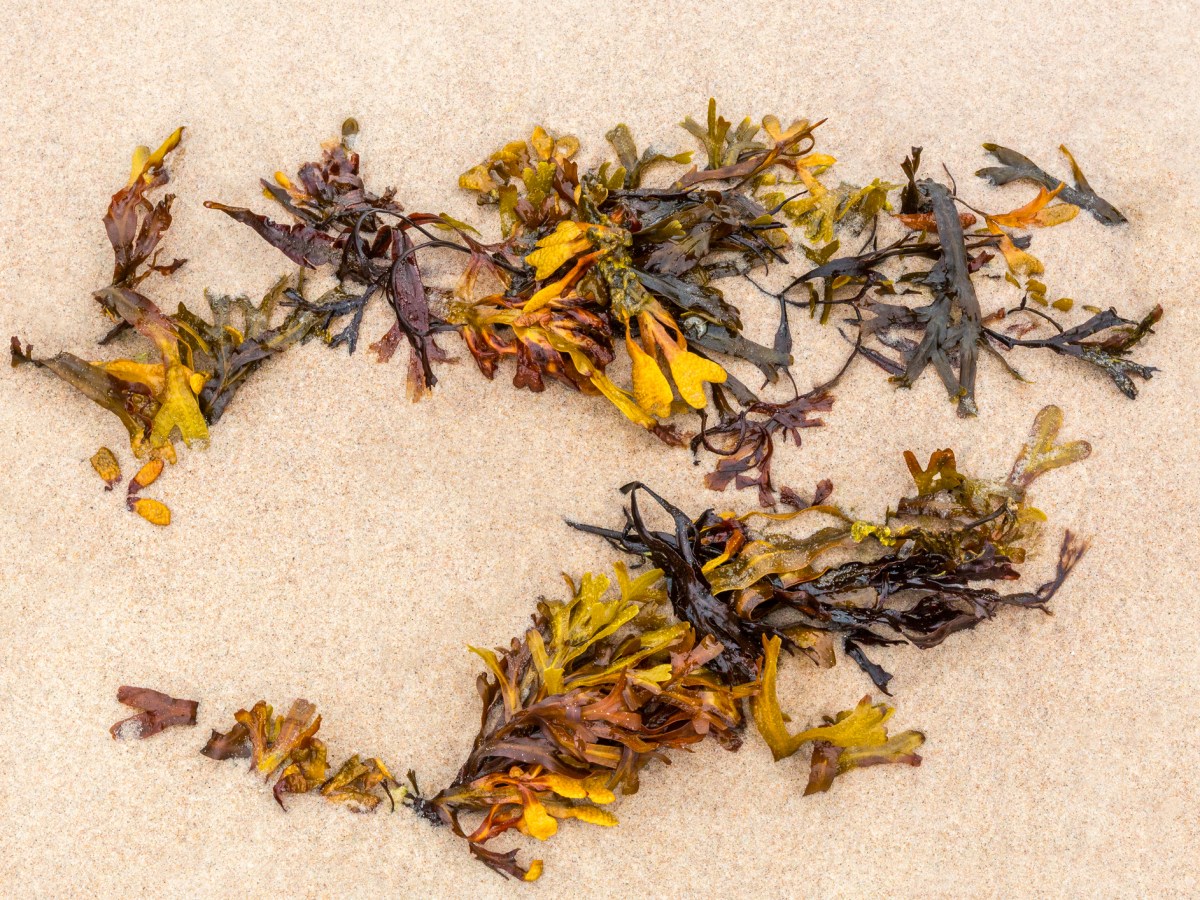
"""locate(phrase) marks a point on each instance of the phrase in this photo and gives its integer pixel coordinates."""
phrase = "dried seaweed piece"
(286, 747)
(234, 744)
(1108, 353)
(355, 782)
(146, 476)
(745, 439)
(153, 511)
(178, 411)
(274, 738)
(134, 224)
(240, 338)
(158, 711)
(1040, 454)
(104, 461)
(302, 244)
(635, 165)
(306, 771)
(1015, 167)
(130, 402)
(155, 402)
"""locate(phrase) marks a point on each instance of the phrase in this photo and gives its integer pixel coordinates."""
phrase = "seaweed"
(605, 260)
(1015, 167)
(604, 683)
(643, 266)
(156, 712)
(949, 279)
(285, 747)
(920, 575)
(618, 676)
(951, 330)
(635, 252)
(366, 239)
(199, 365)
(155, 402)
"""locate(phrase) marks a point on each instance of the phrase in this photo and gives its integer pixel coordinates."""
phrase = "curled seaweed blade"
(853, 739)
(1041, 453)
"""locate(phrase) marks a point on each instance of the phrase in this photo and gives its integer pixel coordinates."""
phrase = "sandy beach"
(339, 543)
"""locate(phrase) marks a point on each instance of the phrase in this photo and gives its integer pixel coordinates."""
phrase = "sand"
(339, 543)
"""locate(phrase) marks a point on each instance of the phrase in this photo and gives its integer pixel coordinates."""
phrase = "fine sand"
(339, 543)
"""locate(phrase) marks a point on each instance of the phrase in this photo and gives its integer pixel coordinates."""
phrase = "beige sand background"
(341, 544)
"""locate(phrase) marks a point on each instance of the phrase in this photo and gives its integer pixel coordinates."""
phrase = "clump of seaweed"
(606, 682)
(952, 330)
(606, 260)
(367, 241)
(920, 575)
(286, 748)
(155, 401)
(592, 260)
(197, 365)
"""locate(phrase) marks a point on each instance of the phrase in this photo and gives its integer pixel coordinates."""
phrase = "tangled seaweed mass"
(590, 261)
(604, 683)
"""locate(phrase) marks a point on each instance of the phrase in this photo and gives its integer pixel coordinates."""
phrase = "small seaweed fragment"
(286, 747)
(146, 476)
(240, 338)
(1113, 336)
(744, 439)
(153, 511)
(104, 461)
(853, 739)
(157, 711)
(953, 320)
(1016, 167)
(134, 224)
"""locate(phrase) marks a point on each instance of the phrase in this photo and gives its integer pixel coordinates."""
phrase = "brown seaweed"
(157, 711)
